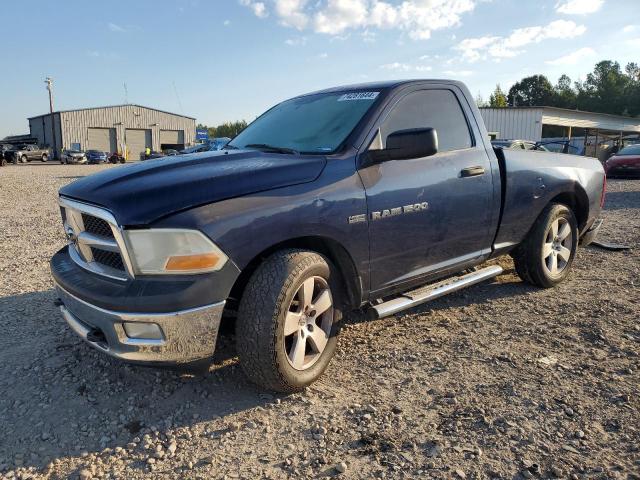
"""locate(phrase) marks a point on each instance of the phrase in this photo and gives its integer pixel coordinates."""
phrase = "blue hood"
(140, 193)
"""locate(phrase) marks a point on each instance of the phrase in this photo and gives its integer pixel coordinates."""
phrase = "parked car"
(625, 163)
(26, 153)
(516, 144)
(96, 156)
(169, 152)
(116, 157)
(4, 156)
(152, 155)
(203, 147)
(381, 196)
(210, 146)
(73, 156)
(559, 146)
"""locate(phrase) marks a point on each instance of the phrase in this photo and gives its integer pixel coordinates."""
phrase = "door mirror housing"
(407, 144)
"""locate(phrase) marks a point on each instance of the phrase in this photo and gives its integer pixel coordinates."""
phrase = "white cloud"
(226, 23)
(630, 28)
(296, 42)
(115, 28)
(259, 8)
(323, 55)
(578, 7)
(474, 49)
(405, 67)
(458, 73)
(574, 57)
(103, 55)
(418, 18)
(291, 13)
(634, 42)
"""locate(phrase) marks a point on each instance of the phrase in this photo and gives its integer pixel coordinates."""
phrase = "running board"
(433, 291)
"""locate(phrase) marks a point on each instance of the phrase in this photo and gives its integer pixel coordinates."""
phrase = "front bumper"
(188, 336)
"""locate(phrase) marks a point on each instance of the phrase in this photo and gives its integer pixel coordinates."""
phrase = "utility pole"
(49, 82)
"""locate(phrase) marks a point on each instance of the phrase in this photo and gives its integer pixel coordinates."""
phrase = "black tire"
(3, 162)
(44, 157)
(529, 257)
(266, 301)
(122, 160)
(24, 159)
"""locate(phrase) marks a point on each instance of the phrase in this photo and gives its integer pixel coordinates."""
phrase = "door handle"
(472, 171)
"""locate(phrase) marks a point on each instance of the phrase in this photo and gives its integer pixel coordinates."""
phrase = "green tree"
(632, 94)
(533, 91)
(230, 129)
(605, 89)
(498, 99)
(565, 95)
(227, 129)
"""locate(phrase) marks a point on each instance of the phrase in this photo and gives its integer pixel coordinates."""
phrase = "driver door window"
(437, 109)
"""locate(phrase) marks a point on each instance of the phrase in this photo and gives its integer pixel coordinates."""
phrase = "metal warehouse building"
(591, 132)
(127, 129)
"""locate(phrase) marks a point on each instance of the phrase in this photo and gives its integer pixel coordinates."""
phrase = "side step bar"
(431, 292)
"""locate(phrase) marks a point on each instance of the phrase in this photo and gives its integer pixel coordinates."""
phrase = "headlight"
(173, 251)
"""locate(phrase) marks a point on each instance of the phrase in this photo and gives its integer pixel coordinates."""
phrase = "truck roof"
(385, 85)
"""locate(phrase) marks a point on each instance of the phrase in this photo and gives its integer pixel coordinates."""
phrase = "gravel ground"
(499, 381)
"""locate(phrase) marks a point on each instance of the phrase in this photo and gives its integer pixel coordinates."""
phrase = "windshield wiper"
(271, 148)
(230, 147)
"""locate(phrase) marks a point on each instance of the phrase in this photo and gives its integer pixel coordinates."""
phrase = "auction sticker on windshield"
(358, 96)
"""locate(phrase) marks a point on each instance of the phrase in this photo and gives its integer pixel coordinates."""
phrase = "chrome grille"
(97, 226)
(110, 259)
(95, 239)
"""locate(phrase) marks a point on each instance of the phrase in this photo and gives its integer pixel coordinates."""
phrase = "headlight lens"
(173, 251)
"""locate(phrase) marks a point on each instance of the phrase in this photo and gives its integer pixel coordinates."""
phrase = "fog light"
(149, 331)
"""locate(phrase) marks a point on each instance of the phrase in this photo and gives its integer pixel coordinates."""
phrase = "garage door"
(137, 141)
(102, 139)
(171, 139)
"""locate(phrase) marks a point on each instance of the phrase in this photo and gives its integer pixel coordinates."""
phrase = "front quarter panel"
(246, 226)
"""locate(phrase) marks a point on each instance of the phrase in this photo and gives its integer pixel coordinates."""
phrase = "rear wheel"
(545, 257)
(288, 319)
(3, 162)
(24, 159)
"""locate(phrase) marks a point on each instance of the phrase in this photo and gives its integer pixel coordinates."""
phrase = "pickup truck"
(378, 197)
(26, 153)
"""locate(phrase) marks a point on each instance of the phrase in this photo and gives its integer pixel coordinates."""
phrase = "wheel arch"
(333, 250)
(578, 201)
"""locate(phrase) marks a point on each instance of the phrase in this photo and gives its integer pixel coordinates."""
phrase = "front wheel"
(287, 327)
(545, 257)
(44, 157)
(24, 159)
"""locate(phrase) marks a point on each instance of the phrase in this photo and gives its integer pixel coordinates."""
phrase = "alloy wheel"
(308, 323)
(556, 251)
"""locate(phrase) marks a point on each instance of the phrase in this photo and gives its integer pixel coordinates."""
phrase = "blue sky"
(232, 59)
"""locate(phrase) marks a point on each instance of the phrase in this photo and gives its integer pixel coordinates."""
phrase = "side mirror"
(407, 144)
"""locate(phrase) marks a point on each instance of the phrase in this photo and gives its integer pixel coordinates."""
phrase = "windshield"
(310, 124)
(630, 150)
